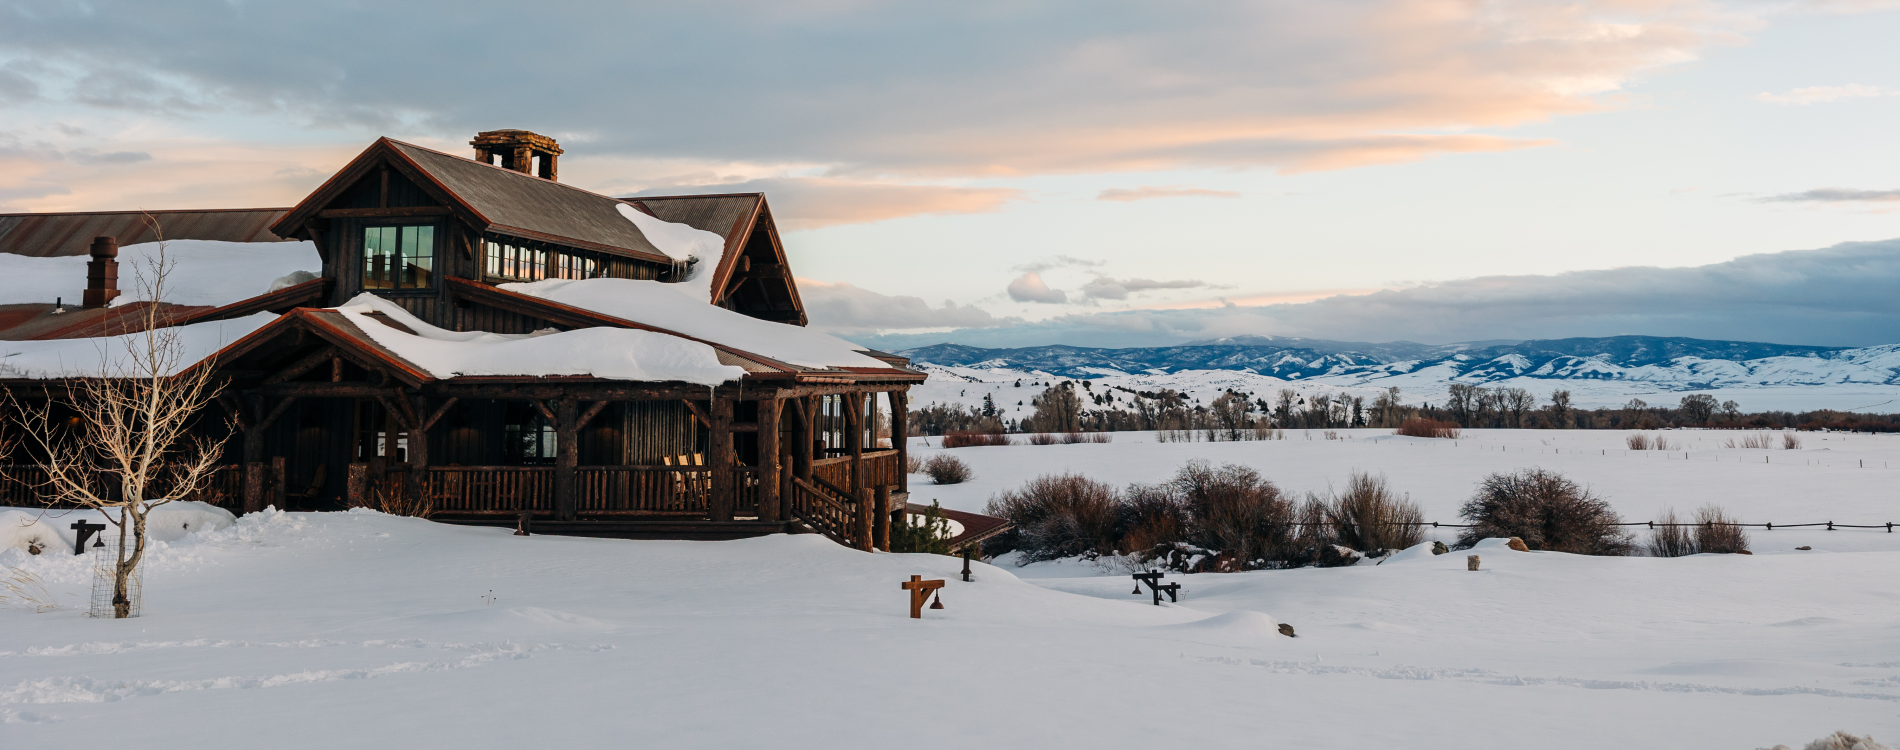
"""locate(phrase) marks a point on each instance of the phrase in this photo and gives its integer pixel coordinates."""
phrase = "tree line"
(1065, 407)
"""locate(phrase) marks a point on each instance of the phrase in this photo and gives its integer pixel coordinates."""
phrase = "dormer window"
(399, 257)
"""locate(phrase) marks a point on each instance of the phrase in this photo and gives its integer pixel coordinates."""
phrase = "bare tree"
(127, 445)
(1516, 403)
(1559, 410)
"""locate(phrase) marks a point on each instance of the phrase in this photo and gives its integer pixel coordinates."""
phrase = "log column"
(567, 435)
(854, 441)
(900, 437)
(721, 460)
(255, 426)
(769, 498)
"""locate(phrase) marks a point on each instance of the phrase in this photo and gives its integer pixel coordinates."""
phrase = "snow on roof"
(609, 353)
(59, 358)
(670, 307)
(204, 272)
(683, 243)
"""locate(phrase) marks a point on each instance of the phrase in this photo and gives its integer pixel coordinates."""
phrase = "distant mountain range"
(1666, 363)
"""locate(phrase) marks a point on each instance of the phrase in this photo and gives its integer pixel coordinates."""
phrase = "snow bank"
(683, 244)
(611, 353)
(52, 530)
(205, 272)
(90, 356)
(670, 307)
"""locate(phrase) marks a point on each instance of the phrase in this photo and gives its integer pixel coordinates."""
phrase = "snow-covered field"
(364, 630)
(968, 385)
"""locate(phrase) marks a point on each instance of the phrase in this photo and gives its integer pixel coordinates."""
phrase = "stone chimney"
(102, 274)
(518, 150)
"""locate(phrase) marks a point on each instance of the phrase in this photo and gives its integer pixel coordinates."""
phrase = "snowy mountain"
(1602, 370)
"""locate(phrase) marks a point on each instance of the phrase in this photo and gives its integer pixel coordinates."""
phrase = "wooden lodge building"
(428, 358)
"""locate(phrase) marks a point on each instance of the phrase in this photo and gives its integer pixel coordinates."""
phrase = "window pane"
(418, 254)
(379, 248)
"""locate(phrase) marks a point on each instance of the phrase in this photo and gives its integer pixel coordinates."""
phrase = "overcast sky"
(1102, 173)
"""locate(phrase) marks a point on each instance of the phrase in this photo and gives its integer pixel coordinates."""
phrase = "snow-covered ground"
(364, 630)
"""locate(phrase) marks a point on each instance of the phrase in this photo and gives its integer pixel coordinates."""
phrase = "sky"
(1088, 173)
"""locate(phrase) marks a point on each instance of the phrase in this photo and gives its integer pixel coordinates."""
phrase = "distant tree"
(1461, 402)
(1058, 409)
(1516, 403)
(989, 406)
(1283, 406)
(1233, 415)
(1697, 408)
(1557, 415)
(1731, 411)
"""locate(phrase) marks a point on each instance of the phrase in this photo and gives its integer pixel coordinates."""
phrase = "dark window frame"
(434, 270)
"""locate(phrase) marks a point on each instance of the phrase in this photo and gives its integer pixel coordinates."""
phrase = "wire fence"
(1651, 524)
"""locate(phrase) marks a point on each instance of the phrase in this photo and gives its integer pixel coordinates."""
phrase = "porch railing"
(600, 490)
(24, 485)
(880, 469)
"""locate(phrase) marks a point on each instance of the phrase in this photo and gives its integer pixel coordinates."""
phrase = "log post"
(900, 437)
(279, 495)
(721, 460)
(566, 458)
(255, 428)
(769, 497)
(881, 513)
(806, 438)
(854, 441)
(356, 489)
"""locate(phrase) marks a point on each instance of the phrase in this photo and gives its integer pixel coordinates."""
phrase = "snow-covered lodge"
(476, 333)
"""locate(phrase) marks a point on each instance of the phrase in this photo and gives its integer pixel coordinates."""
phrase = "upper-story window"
(398, 257)
(509, 261)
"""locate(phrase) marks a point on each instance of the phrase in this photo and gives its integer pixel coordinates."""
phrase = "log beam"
(769, 497)
(721, 460)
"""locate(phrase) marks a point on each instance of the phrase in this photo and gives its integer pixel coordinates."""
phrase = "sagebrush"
(944, 469)
(1547, 511)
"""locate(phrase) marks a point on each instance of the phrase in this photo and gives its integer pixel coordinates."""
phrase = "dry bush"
(1428, 428)
(1369, 517)
(1091, 437)
(397, 505)
(1152, 516)
(1044, 438)
(945, 469)
(1670, 539)
(20, 588)
(1637, 442)
(913, 464)
(1758, 440)
(1237, 511)
(1718, 532)
(1641, 442)
(975, 438)
(1547, 511)
(1660, 443)
(1059, 515)
(1790, 441)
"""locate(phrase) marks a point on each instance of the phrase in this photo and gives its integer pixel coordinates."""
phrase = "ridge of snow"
(610, 353)
(668, 306)
(204, 272)
(59, 358)
(684, 244)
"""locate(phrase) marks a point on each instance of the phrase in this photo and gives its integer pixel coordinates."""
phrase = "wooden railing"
(826, 511)
(880, 469)
(24, 485)
(600, 490)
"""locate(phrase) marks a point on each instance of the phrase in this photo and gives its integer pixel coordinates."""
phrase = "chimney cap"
(513, 137)
(105, 247)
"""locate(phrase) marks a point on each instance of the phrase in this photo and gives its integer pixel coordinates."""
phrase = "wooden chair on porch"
(308, 497)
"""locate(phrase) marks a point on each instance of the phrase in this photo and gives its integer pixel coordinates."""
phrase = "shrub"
(1670, 539)
(1058, 515)
(1237, 511)
(929, 533)
(913, 464)
(1547, 511)
(1151, 516)
(971, 438)
(1044, 438)
(1428, 428)
(1717, 531)
(945, 469)
(1790, 441)
(1370, 518)
(1637, 442)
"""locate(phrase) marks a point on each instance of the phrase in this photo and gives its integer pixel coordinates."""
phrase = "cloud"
(908, 91)
(1162, 191)
(1837, 296)
(1029, 287)
(1824, 94)
(813, 202)
(1103, 287)
(848, 310)
(1061, 261)
(1837, 195)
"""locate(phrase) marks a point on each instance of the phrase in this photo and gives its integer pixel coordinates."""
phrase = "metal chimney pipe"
(102, 273)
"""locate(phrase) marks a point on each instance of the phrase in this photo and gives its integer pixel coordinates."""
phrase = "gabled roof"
(39, 322)
(493, 199)
(71, 233)
(735, 216)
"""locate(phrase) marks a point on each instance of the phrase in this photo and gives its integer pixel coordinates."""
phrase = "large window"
(398, 257)
(527, 437)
